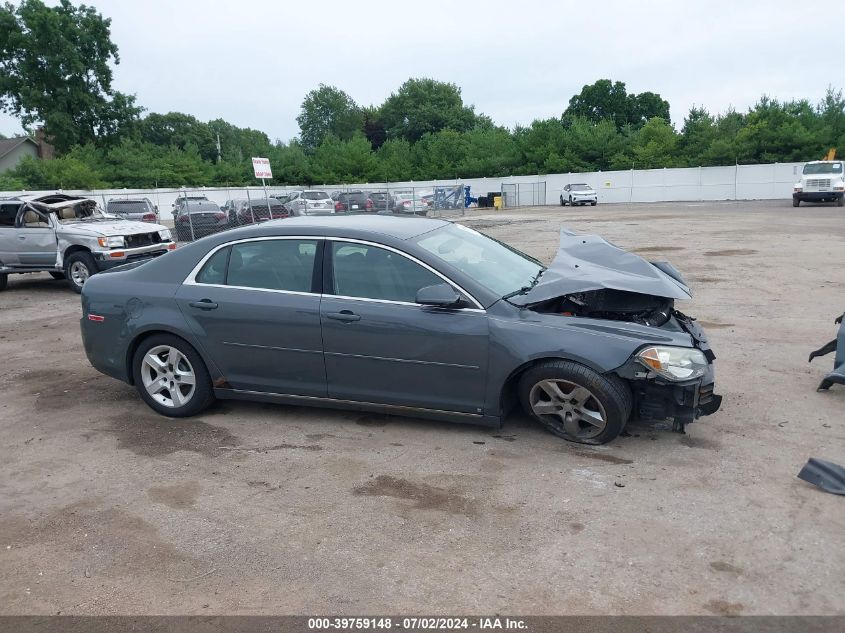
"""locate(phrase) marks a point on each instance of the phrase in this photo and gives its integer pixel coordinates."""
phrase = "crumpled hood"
(588, 262)
(108, 229)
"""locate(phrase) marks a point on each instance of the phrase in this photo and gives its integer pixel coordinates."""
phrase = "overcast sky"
(252, 62)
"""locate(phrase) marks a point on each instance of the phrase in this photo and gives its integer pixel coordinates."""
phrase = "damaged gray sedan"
(412, 316)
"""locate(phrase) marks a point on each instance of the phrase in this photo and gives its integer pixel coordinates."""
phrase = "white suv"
(309, 202)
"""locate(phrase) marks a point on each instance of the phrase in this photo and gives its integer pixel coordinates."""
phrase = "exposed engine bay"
(613, 305)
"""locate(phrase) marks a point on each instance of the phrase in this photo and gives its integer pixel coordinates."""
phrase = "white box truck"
(821, 181)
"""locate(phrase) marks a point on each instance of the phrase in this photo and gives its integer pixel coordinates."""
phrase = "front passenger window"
(369, 272)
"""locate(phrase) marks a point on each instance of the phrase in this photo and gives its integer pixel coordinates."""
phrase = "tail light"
(149, 217)
(407, 203)
(338, 206)
(184, 219)
(220, 216)
(369, 204)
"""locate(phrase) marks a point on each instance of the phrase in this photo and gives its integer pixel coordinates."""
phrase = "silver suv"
(70, 237)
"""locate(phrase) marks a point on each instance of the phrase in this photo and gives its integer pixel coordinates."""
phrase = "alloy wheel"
(79, 273)
(168, 376)
(570, 406)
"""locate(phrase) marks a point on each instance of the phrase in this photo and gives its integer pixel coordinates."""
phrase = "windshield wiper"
(525, 289)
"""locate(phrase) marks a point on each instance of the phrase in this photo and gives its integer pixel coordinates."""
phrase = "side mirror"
(438, 295)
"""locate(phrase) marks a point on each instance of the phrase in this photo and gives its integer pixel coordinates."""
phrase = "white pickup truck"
(821, 181)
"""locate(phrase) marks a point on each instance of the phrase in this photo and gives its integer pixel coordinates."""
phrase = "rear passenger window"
(273, 265)
(214, 271)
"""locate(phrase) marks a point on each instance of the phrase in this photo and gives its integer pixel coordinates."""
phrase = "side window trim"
(328, 274)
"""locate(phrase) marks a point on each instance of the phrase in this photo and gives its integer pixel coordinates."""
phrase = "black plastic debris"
(836, 345)
(828, 476)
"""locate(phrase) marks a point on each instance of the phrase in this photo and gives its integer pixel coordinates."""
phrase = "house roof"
(8, 144)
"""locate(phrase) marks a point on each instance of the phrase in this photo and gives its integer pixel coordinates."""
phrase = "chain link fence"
(195, 213)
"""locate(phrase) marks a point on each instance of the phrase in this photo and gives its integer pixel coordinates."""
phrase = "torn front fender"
(588, 262)
(837, 345)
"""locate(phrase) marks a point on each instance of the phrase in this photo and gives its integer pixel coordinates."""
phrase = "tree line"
(55, 71)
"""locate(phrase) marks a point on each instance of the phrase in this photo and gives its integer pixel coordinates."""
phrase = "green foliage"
(55, 69)
(607, 100)
(67, 172)
(656, 145)
(336, 161)
(425, 106)
(328, 111)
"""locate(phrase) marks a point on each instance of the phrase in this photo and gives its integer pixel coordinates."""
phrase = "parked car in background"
(410, 204)
(191, 197)
(281, 197)
(138, 209)
(243, 211)
(198, 218)
(382, 200)
(71, 238)
(308, 202)
(578, 193)
(353, 202)
(414, 316)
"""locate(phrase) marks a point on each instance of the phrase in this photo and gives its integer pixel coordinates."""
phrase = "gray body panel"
(280, 351)
(283, 346)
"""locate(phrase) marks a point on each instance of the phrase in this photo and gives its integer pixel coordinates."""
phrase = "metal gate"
(524, 194)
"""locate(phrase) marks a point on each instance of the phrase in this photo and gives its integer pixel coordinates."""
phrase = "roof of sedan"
(398, 227)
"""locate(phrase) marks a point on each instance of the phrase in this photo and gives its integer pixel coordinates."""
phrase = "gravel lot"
(107, 508)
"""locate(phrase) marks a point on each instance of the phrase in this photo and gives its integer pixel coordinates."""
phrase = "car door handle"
(205, 304)
(346, 316)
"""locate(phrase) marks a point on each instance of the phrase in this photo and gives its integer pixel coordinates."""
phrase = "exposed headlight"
(674, 363)
(797, 189)
(164, 235)
(111, 242)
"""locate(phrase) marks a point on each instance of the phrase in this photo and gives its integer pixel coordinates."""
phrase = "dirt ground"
(106, 507)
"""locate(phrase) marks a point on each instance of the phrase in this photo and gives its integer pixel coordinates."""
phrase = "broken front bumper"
(656, 398)
(118, 257)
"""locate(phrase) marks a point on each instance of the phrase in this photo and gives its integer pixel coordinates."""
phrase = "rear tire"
(171, 377)
(592, 204)
(840, 201)
(574, 402)
(78, 269)
(4, 279)
(562, 202)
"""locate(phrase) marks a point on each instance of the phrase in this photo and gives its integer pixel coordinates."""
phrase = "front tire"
(78, 269)
(562, 202)
(171, 377)
(795, 202)
(840, 201)
(592, 204)
(4, 279)
(574, 402)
